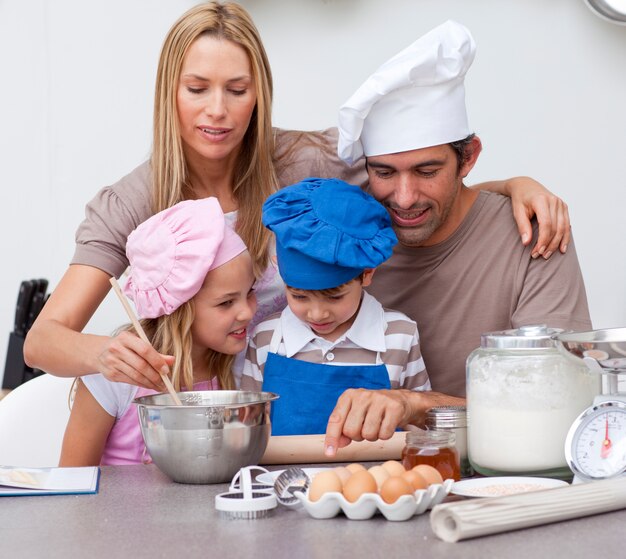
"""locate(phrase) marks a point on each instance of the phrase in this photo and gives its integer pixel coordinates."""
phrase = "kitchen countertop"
(139, 512)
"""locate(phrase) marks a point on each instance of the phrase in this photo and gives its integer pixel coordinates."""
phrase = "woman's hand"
(57, 345)
(127, 358)
(530, 198)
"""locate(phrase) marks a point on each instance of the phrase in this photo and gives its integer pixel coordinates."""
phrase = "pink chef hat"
(171, 253)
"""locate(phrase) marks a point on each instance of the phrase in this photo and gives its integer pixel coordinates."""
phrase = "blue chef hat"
(327, 232)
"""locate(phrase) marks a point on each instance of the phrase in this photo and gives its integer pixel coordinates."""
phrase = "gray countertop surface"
(139, 512)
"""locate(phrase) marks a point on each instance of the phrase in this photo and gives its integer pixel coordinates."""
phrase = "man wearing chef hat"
(458, 270)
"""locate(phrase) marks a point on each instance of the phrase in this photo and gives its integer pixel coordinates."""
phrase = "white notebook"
(15, 481)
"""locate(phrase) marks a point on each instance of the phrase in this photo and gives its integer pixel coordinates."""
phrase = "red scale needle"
(605, 450)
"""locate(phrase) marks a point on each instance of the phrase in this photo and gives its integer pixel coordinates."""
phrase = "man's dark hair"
(460, 149)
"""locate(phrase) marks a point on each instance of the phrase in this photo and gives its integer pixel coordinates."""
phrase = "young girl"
(191, 281)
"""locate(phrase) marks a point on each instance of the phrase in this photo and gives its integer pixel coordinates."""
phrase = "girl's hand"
(530, 198)
(127, 358)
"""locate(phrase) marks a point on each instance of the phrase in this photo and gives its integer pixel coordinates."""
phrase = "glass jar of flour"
(523, 393)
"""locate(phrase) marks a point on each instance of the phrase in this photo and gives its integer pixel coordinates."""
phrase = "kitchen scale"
(595, 446)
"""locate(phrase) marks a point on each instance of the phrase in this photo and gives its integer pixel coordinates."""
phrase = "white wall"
(546, 94)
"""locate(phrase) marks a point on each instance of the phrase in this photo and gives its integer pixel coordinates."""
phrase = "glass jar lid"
(430, 439)
(526, 337)
(446, 417)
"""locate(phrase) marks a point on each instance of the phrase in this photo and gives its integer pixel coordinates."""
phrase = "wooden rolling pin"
(309, 449)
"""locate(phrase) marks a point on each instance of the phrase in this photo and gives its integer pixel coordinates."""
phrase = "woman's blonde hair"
(171, 335)
(255, 177)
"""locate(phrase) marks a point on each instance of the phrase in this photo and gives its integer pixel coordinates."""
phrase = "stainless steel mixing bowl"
(210, 437)
(603, 350)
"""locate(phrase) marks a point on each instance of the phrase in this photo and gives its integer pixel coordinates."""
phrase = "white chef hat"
(414, 100)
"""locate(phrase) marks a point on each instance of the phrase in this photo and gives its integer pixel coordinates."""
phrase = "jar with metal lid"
(435, 448)
(454, 419)
(523, 393)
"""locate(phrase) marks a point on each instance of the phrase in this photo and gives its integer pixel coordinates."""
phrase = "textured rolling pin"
(479, 517)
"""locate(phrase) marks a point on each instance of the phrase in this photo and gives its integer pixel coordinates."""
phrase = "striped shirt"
(377, 336)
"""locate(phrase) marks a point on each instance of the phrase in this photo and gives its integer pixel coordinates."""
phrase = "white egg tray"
(332, 503)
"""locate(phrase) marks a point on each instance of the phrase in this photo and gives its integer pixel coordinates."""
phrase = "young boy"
(330, 236)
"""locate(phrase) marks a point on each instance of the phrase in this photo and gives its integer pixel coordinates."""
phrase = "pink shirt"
(125, 443)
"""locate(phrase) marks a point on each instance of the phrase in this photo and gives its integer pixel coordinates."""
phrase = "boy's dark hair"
(331, 290)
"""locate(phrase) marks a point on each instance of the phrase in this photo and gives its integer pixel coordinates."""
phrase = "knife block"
(16, 372)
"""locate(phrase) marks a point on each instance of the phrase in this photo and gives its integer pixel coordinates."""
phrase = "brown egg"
(430, 474)
(354, 468)
(415, 479)
(343, 473)
(394, 487)
(359, 483)
(394, 468)
(380, 475)
(324, 482)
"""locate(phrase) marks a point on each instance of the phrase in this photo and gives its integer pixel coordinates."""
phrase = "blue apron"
(309, 391)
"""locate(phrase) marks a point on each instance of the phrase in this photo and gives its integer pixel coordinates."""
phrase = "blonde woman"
(212, 137)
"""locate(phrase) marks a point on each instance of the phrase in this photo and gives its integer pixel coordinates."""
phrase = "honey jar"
(435, 448)
(452, 418)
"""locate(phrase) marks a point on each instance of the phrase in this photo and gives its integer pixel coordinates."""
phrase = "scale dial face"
(595, 447)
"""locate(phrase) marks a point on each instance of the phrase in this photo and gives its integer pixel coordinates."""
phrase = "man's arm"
(553, 293)
(375, 414)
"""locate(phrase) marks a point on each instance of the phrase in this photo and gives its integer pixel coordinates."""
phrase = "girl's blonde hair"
(171, 335)
(255, 176)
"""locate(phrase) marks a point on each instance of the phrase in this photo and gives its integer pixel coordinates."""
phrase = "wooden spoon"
(142, 335)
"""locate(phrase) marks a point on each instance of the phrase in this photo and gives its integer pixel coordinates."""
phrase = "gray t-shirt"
(481, 279)
(118, 209)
